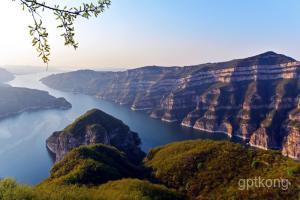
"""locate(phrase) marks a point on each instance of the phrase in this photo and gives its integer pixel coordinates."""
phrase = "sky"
(134, 33)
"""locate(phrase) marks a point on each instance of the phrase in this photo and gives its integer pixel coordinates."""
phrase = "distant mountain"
(14, 100)
(5, 76)
(25, 69)
(96, 127)
(255, 98)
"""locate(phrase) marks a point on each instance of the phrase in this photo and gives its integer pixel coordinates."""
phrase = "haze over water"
(23, 153)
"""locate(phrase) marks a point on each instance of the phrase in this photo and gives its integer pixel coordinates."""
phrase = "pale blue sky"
(135, 33)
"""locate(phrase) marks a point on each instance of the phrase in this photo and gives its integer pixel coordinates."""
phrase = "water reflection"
(23, 153)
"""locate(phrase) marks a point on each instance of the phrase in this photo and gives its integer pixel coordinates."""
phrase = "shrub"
(212, 170)
(92, 165)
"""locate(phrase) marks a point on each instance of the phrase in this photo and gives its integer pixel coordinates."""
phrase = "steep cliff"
(252, 98)
(96, 127)
(291, 142)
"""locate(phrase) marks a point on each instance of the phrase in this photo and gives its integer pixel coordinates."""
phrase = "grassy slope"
(90, 165)
(126, 189)
(91, 117)
(200, 169)
(209, 169)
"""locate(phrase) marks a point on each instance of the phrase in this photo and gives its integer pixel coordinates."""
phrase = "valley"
(255, 98)
(23, 137)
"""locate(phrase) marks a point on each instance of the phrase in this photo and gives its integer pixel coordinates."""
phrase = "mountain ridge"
(256, 98)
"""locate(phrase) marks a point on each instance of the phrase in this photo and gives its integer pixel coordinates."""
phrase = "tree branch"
(66, 16)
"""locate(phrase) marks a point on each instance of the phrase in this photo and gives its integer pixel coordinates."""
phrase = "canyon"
(256, 99)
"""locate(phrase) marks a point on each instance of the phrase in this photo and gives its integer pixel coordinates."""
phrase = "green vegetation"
(95, 127)
(94, 117)
(210, 169)
(195, 169)
(126, 189)
(91, 165)
(136, 189)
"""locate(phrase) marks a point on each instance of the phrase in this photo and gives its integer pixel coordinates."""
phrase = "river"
(23, 153)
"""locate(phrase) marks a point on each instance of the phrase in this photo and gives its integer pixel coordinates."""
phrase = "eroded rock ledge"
(255, 98)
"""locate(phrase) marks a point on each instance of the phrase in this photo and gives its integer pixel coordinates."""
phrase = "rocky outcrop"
(291, 142)
(96, 127)
(14, 100)
(249, 98)
(260, 138)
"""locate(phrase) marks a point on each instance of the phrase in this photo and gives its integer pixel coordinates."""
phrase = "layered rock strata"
(256, 98)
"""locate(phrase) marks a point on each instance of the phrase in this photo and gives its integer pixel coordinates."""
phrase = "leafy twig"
(66, 17)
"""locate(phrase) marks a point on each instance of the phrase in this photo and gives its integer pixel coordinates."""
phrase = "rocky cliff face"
(96, 127)
(291, 142)
(255, 98)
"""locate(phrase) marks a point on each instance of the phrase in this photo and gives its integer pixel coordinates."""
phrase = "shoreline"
(30, 110)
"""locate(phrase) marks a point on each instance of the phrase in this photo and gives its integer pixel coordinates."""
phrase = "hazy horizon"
(21, 69)
(129, 35)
